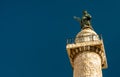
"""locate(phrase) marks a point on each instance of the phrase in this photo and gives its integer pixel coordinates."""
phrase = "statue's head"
(84, 12)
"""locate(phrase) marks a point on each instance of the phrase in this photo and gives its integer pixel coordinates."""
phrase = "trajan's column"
(86, 52)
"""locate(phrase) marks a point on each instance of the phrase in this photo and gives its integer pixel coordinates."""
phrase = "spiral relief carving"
(87, 64)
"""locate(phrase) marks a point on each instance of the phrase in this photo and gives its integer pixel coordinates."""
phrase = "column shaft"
(87, 64)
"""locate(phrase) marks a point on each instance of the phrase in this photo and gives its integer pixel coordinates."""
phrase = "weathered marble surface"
(87, 64)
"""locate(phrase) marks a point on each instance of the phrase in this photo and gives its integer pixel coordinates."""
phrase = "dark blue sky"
(33, 35)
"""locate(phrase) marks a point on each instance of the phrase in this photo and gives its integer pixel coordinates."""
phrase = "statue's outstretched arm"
(77, 18)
